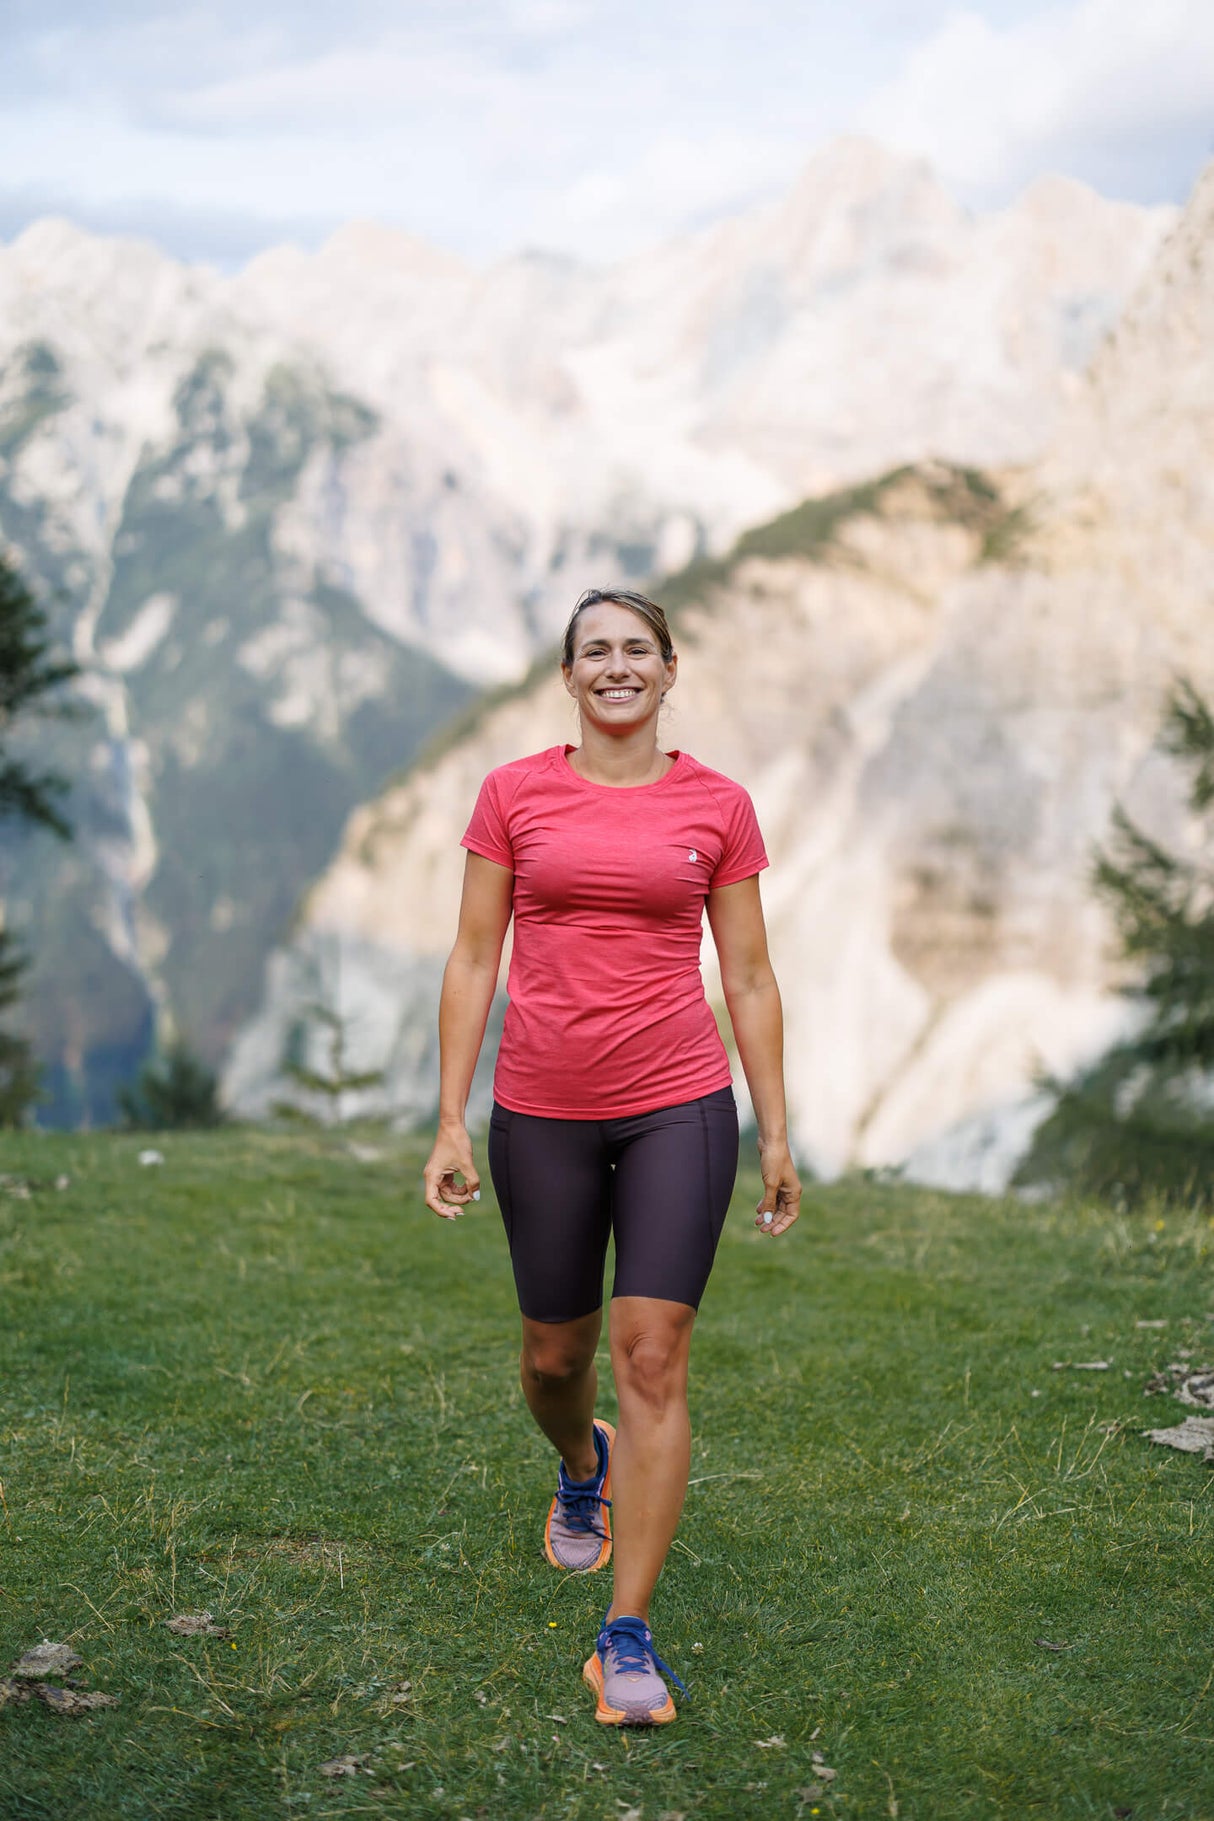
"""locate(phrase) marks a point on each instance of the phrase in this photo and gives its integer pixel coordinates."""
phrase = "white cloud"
(544, 18)
(1078, 86)
(328, 92)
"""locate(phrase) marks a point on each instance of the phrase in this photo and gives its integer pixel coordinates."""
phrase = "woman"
(613, 1108)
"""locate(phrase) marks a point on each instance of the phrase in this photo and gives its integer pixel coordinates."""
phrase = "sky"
(588, 127)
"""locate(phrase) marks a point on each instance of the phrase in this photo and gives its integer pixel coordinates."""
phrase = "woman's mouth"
(616, 695)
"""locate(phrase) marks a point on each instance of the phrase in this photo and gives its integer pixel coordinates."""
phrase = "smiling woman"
(613, 1111)
(615, 667)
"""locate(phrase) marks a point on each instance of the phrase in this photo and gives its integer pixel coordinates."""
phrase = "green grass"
(261, 1380)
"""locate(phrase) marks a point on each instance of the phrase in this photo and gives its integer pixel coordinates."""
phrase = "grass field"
(259, 1379)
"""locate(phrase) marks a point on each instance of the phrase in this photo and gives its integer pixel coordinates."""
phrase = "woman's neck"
(623, 759)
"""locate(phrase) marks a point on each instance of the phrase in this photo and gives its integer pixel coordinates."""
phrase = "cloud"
(100, 58)
(547, 18)
(325, 93)
(1115, 91)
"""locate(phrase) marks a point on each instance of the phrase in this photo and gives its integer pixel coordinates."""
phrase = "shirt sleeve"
(487, 833)
(743, 854)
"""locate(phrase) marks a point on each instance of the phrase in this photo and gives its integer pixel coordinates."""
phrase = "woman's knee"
(556, 1352)
(649, 1359)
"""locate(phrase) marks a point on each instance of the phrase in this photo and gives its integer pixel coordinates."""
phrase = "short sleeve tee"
(607, 1015)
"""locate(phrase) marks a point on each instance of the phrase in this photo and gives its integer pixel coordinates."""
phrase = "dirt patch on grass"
(314, 1552)
(323, 1555)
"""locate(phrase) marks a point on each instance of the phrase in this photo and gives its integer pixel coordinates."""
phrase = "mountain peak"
(852, 170)
(857, 205)
(54, 244)
(374, 244)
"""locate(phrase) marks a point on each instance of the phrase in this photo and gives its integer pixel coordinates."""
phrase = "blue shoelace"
(581, 1501)
(631, 1644)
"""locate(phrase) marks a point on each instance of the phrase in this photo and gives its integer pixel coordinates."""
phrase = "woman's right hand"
(451, 1157)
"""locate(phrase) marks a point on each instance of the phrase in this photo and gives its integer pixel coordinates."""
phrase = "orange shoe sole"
(604, 1555)
(592, 1676)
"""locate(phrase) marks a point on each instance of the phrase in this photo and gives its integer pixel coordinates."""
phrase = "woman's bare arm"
(735, 916)
(469, 982)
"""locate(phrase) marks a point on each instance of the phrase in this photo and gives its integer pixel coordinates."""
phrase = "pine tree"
(29, 680)
(329, 1084)
(19, 1075)
(1141, 1121)
(173, 1092)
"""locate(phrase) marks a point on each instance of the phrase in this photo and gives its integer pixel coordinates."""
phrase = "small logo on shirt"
(693, 856)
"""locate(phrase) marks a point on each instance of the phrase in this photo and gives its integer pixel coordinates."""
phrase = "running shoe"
(624, 1674)
(577, 1536)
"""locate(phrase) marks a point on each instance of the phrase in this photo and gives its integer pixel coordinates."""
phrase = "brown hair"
(640, 604)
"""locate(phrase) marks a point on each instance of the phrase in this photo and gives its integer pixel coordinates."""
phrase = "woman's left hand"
(781, 1201)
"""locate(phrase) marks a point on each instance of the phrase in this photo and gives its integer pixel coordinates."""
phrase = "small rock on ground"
(47, 1659)
(196, 1625)
(72, 1700)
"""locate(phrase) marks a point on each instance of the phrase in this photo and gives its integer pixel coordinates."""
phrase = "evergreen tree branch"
(1141, 1120)
(1188, 734)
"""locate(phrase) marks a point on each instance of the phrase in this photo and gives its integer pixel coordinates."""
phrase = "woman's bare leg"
(650, 1344)
(559, 1380)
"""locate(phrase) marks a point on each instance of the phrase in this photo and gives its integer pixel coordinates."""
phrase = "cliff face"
(935, 690)
(291, 520)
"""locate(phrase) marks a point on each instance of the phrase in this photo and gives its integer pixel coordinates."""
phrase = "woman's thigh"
(674, 1176)
(553, 1184)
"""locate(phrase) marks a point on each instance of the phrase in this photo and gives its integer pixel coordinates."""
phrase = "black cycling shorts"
(660, 1181)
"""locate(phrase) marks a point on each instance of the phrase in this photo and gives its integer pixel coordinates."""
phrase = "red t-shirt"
(607, 1014)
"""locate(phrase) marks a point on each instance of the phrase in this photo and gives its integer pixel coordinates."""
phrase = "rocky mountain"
(152, 451)
(290, 521)
(936, 685)
(861, 321)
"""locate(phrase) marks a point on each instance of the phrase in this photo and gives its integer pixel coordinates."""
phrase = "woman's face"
(618, 675)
